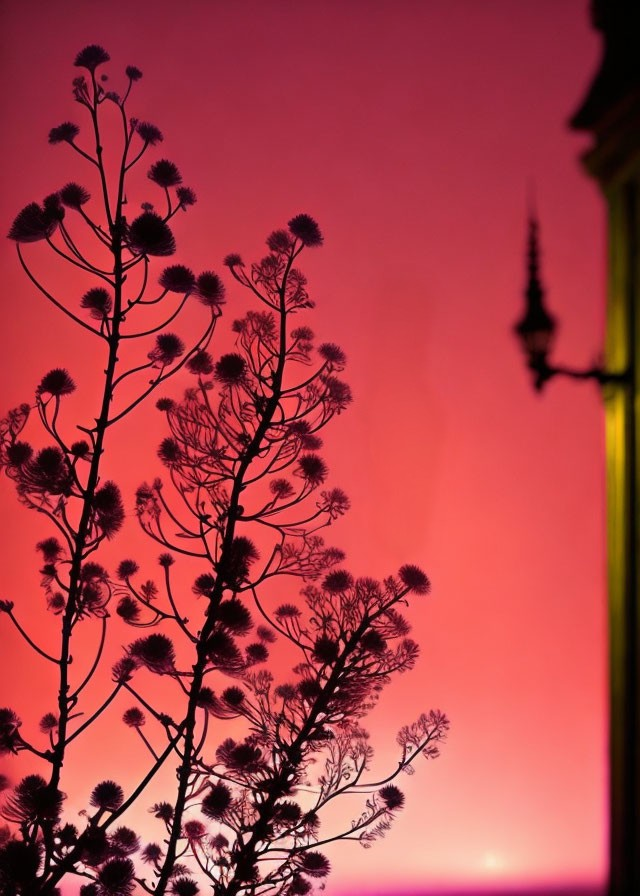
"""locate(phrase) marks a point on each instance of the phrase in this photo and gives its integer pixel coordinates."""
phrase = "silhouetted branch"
(28, 639)
(53, 300)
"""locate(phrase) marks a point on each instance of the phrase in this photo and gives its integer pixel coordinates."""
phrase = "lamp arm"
(543, 371)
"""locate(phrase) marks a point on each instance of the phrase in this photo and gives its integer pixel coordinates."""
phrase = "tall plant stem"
(83, 532)
(199, 667)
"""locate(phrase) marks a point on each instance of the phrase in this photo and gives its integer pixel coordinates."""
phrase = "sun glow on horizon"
(494, 862)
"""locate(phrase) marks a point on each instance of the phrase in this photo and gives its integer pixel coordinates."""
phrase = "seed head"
(91, 57)
(306, 230)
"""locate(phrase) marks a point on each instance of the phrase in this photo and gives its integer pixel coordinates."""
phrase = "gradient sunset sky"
(411, 129)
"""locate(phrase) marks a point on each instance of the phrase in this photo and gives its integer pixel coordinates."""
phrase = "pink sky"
(410, 130)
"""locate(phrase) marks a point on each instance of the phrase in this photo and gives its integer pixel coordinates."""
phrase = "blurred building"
(611, 112)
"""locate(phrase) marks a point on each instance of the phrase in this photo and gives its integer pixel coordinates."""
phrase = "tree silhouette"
(257, 759)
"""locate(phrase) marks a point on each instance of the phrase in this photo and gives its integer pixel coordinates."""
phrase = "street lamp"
(610, 112)
(536, 328)
(536, 331)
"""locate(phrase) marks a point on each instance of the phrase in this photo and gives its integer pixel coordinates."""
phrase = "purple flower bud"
(57, 383)
(177, 278)
(186, 196)
(392, 797)
(149, 235)
(64, 133)
(306, 230)
(107, 795)
(91, 57)
(97, 302)
(230, 370)
(74, 196)
(217, 801)
(210, 289)
(148, 132)
(134, 717)
(414, 579)
(315, 864)
(165, 174)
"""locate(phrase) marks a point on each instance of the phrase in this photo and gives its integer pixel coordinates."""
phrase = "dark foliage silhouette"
(259, 755)
(122, 308)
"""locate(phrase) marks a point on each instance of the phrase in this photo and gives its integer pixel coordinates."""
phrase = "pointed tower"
(611, 112)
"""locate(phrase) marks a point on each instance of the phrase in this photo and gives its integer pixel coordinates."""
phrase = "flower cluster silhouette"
(244, 503)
